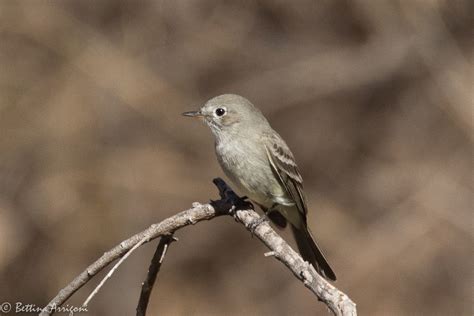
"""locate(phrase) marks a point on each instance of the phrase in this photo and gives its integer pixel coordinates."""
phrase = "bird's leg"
(230, 201)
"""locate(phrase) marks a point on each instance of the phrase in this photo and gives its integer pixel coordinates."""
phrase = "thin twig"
(109, 274)
(153, 270)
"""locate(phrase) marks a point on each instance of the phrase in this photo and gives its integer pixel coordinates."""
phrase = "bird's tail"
(310, 252)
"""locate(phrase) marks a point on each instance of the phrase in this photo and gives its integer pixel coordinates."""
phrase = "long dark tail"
(310, 252)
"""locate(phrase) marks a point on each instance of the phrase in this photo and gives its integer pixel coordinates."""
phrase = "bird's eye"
(220, 111)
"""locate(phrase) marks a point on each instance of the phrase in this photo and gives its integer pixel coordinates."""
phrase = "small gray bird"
(262, 166)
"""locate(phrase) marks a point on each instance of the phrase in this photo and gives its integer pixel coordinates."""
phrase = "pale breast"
(246, 164)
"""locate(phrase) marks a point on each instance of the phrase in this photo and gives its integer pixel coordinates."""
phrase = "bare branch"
(153, 270)
(230, 204)
(198, 213)
(338, 302)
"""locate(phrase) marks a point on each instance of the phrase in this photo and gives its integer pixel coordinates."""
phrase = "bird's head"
(229, 112)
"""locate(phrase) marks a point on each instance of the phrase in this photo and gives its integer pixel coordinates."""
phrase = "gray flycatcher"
(259, 162)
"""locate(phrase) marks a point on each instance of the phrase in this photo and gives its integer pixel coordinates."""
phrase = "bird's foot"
(242, 203)
(230, 201)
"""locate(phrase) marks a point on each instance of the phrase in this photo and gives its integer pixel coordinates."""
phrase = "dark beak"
(193, 114)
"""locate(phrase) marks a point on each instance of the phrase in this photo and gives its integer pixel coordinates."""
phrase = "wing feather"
(284, 166)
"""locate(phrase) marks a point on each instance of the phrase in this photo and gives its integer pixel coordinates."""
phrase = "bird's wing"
(284, 166)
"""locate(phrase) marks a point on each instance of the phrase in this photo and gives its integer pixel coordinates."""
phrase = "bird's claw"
(242, 203)
(230, 201)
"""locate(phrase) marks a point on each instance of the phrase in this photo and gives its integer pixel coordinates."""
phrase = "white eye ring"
(221, 111)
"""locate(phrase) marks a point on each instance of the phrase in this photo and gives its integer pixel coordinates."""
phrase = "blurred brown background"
(373, 97)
